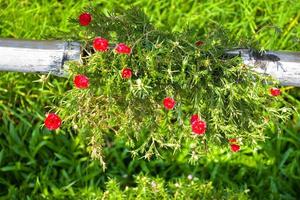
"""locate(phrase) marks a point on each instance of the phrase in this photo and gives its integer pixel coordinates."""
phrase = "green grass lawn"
(38, 164)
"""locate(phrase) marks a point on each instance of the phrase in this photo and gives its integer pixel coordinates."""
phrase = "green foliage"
(184, 188)
(233, 100)
(36, 163)
(57, 166)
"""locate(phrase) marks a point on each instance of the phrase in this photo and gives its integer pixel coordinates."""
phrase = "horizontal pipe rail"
(38, 56)
(52, 56)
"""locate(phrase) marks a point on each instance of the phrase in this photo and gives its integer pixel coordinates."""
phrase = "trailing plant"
(160, 90)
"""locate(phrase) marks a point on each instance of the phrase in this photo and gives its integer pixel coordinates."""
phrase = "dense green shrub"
(36, 164)
(233, 100)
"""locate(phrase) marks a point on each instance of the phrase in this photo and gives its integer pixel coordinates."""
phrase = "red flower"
(85, 19)
(52, 121)
(123, 49)
(81, 81)
(126, 73)
(232, 140)
(275, 91)
(169, 103)
(199, 43)
(199, 127)
(194, 118)
(100, 44)
(235, 147)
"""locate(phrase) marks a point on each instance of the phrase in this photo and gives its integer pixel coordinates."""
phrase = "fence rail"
(52, 56)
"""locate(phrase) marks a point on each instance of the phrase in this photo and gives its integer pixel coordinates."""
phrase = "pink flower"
(100, 44)
(275, 91)
(199, 127)
(235, 147)
(52, 121)
(169, 103)
(194, 118)
(126, 73)
(123, 49)
(81, 81)
(85, 19)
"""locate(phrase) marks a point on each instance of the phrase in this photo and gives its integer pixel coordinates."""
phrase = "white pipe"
(37, 56)
(51, 56)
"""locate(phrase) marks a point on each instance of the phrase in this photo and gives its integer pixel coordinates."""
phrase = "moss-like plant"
(230, 100)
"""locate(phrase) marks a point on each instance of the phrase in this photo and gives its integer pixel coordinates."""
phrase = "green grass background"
(37, 164)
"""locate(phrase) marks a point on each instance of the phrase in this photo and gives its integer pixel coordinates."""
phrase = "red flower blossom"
(194, 118)
(199, 127)
(81, 81)
(169, 103)
(235, 147)
(199, 43)
(275, 91)
(123, 49)
(126, 73)
(232, 140)
(85, 19)
(100, 44)
(52, 121)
